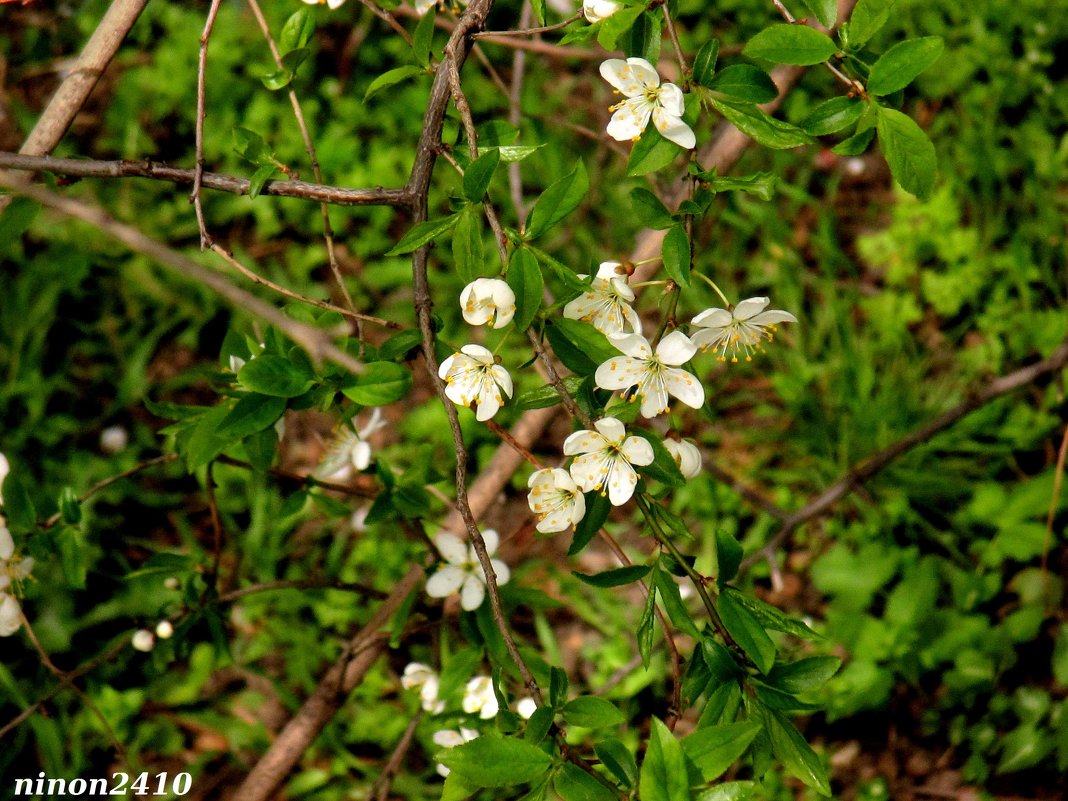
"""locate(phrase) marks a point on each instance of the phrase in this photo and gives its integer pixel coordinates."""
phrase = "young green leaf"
(297, 31)
(613, 578)
(618, 760)
(727, 791)
(616, 25)
(650, 153)
(746, 631)
(867, 18)
(70, 508)
(833, 115)
(908, 151)
(826, 11)
(704, 63)
(771, 617)
(672, 600)
(675, 254)
(761, 184)
(597, 508)
(392, 78)
(72, 557)
(805, 675)
(643, 40)
(591, 712)
(854, 145)
(713, 749)
(645, 627)
(495, 761)
(766, 130)
(468, 253)
(648, 209)
(746, 83)
(268, 374)
(572, 783)
(728, 554)
(479, 173)
(259, 179)
(791, 44)
(252, 413)
(793, 750)
(899, 66)
(663, 467)
(663, 775)
(18, 505)
(525, 280)
(422, 233)
(556, 202)
(381, 383)
(424, 37)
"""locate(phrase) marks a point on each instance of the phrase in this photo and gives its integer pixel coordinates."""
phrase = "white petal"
(638, 451)
(452, 548)
(586, 470)
(671, 100)
(584, 441)
(492, 539)
(629, 120)
(685, 387)
(445, 366)
(634, 345)
(558, 520)
(503, 379)
(686, 456)
(771, 317)
(448, 738)
(644, 72)
(489, 401)
(445, 582)
(621, 482)
(478, 353)
(10, 618)
(526, 707)
(655, 400)
(7, 544)
(619, 373)
(675, 349)
(609, 269)
(504, 574)
(713, 318)
(674, 129)
(472, 594)
(750, 307)
(619, 287)
(612, 430)
(23, 567)
(361, 455)
(627, 77)
(562, 480)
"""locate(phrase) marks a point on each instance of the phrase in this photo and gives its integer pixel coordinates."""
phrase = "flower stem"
(712, 284)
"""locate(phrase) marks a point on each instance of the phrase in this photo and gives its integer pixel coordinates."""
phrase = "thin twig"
(396, 759)
(1058, 476)
(513, 443)
(107, 482)
(684, 68)
(389, 19)
(515, 114)
(202, 71)
(524, 20)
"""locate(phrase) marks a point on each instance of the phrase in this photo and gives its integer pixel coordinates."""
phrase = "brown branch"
(514, 444)
(302, 729)
(869, 467)
(202, 72)
(529, 31)
(317, 342)
(382, 786)
(389, 19)
(89, 168)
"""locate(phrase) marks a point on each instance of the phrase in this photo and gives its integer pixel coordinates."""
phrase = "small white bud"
(114, 439)
(143, 640)
(164, 630)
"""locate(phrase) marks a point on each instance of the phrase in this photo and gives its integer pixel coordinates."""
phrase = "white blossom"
(597, 10)
(488, 299)
(607, 456)
(655, 374)
(418, 676)
(738, 330)
(13, 570)
(450, 738)
(333, 4)
(555, 499)
(114, 439)
(463, 571)
(164, 630)
(607, 305)
(479, 697)
(473, 378)
(350, 449)
(686, 456)
(5, 468)
(143, 640)
(647, 98)
(526, 707)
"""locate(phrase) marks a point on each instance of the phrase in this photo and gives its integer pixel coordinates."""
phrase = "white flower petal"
(675, 349)
(611, 429)
(448, 738)
(7, 544)
(502, 379)
(771, 317)
(361, 455)
(686, 456)
(584, 441)
(673, 128)
(685, 387)
(644, 72)
(629, 120)
(750, 307)
(609, 270)
(10, 617)
(621, 482)
(445, 582)
(526, 707)
(633, 345)
(472, 593)
(671, 100)
(492, 540)
(586, 471)
(502, 571)
(451, 547)
(618, 373)
(713, 318)
(655, 399)
(622, 76)
(637, 450)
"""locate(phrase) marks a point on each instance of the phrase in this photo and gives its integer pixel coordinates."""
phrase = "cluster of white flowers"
(144, 640)
(13, 570)
(418, 676)
(606, 306)
(462, 571)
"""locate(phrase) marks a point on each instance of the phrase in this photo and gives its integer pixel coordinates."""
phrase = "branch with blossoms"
(624, 356)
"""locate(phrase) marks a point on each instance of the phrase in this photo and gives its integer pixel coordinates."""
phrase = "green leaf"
(251, 147)
(704, 63)
(645, 627)
(18, 505)
(613, 578)
(676, 255)
(260, 449)
(561, 272)
(663, 776)
(597, 508)
(268, 374)
(204, 443)
(618, 24)
(456, 789)
(526, 281)
(591, 712)
(546, 396)
(277, 79)
(556, 202)
(392, 78)
(650, 153)
(70, 508)
(538, 7)
(714, 749)
(728, 791)
(791, 748)
(899, 66)
(479, 173)
(644, 38)
(728, 554)
(513, 152)
(766, 130)
(558, 684)
(259, 179)
(746, 631)
(70, 544)
(722, 705)
(572, 783)
(867, 18)
(400, 345)
(422, 233)
(381, 383)
(826, 11)
(761, 184)
(648, 209)
(791, 44)
(672, 600)
(495, 761)
(252, 413)
(297, 31)
(772, 618)
(908, 151)
(592, 346)
(854, 145)
(746, 83)
(539, 724)
(468, 253)
(833, 115)
(617, 760)
(424, 37)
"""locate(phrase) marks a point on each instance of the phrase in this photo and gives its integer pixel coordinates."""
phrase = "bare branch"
(202, 71)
